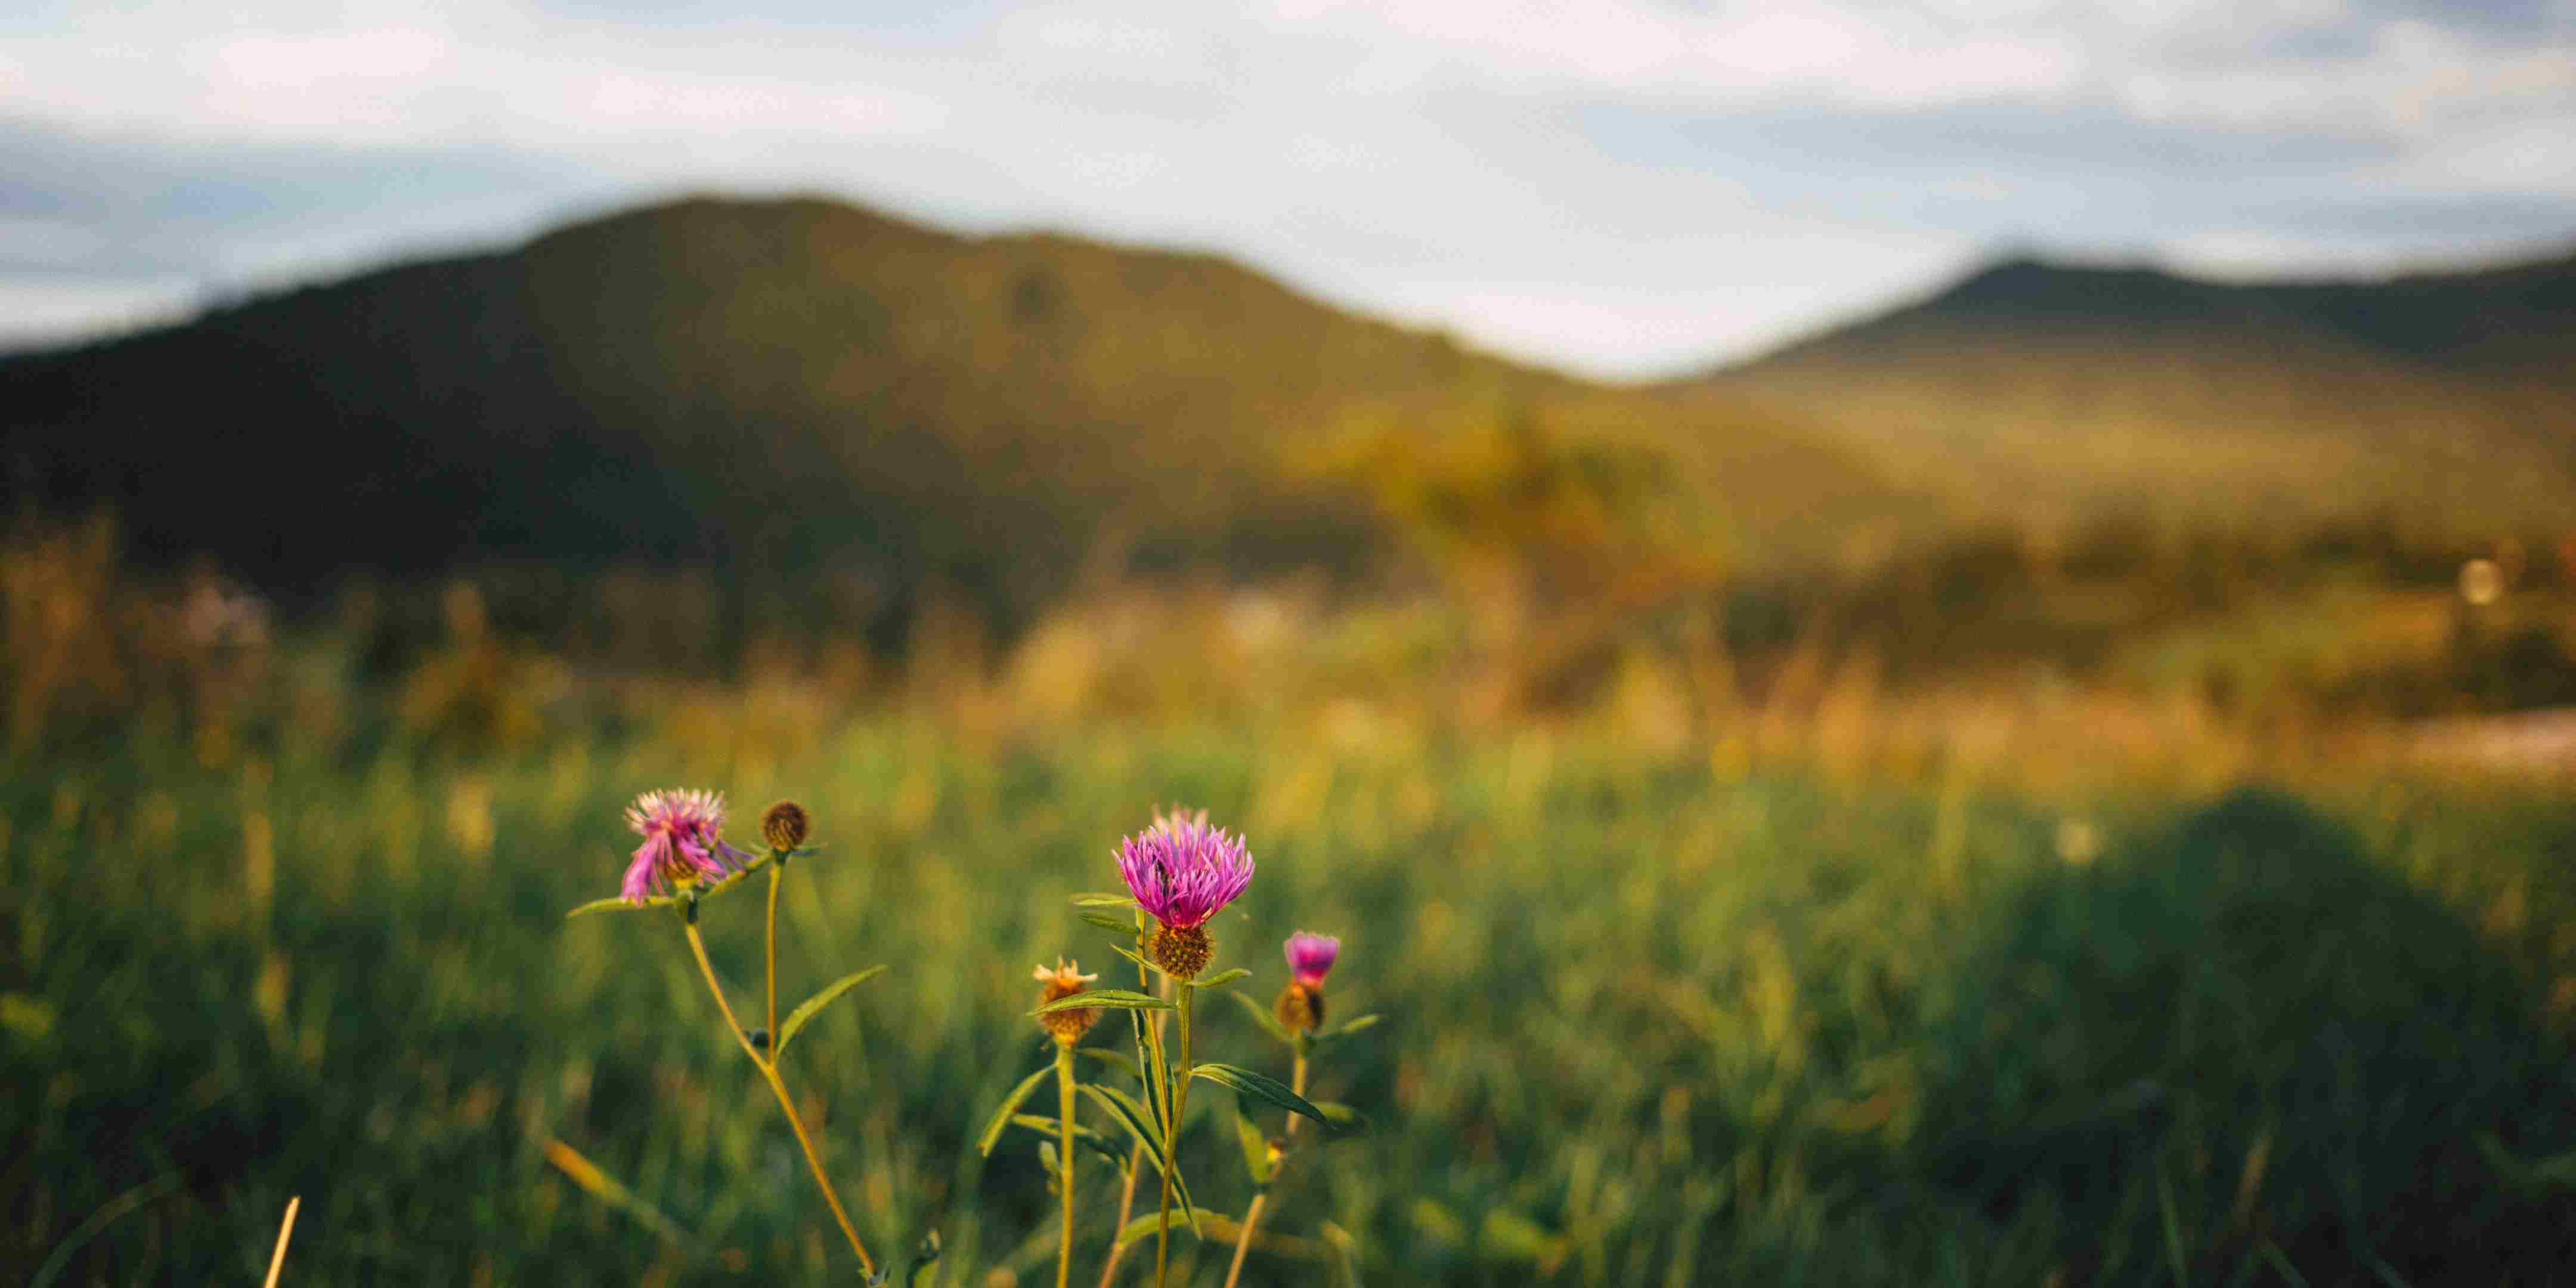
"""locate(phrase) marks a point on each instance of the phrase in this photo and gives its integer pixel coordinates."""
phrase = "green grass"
(1644, 1025)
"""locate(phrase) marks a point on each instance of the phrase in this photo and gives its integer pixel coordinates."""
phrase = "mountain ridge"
(2042, 390)
(785, 385)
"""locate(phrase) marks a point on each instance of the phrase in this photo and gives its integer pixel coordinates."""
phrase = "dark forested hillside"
(2035, 390)
(782, 387)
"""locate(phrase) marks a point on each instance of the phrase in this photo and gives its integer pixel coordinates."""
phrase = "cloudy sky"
(1623, 187)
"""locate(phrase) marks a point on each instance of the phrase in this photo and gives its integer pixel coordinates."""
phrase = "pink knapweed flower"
(1182, 870)
(1310, 957)
(680, 845)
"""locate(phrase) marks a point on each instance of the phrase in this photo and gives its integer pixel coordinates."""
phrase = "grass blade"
(106, 1215)
(285, 1231)
(609, 1190)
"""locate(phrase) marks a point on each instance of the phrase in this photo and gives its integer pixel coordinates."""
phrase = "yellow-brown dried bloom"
(784, 826)
(1182, 951)
(1301, 1007)
(1065, 980)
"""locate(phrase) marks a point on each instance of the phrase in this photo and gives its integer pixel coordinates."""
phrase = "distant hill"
(2039, 391)
(787, 388)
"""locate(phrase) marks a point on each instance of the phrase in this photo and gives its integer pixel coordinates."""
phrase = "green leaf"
(1143, 1226)
(1262, 1016)
(673, 900)
(1138, 958)
(1132, 1116)
(1111, 924)
(1260, 1087)
(1343, 1116)
(1114, 1058)
(805, 1010)
(1094, 900)
(1348, 1028)
(1220, 979)
(1083, 1136)
(1108, 999)
(1256, 1150)
(1002, 1117)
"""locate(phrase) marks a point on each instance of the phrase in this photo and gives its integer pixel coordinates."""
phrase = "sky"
(1624, 188)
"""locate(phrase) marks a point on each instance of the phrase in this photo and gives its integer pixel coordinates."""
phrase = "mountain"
(807, 392)
(2057, 393)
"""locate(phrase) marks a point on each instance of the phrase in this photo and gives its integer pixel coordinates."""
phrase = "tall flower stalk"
(682, 862)
(1300, 1013)
(1181, 871)
(1067, 1028)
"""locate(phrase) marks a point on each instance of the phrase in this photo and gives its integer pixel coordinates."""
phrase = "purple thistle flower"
(1182, 870)
(680, 843)
(1310, 957)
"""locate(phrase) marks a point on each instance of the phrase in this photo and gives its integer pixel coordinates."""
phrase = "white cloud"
(42, 310)
(1425, 158)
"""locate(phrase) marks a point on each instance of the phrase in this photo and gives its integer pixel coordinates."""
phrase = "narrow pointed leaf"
(1262, 1016)
(1098, 900)
(1114, 1058)
(672, 900)
(1143, 1226)
(1083, 1136)
(1110, 923)
(1343, 1116)
(1113, 999)
(1262, 1087)
(1010, 1104)
(1256, 1150)
(1221, 978)
(1348, 1028)
(1132, 1116)
(612, 904)
(807, 1009)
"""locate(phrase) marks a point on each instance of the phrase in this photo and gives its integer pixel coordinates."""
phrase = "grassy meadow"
(1649, 1018)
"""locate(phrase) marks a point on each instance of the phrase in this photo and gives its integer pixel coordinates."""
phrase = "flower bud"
(1301, 1008)
(783, 826)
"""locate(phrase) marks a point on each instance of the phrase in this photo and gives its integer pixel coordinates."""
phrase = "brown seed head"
(1182, 951)
(1063, 981)
(1301, 1007)
(783, 826)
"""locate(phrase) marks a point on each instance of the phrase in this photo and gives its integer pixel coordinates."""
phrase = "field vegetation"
(1891, 982)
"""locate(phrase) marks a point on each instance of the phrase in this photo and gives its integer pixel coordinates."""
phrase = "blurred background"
(1910, 644)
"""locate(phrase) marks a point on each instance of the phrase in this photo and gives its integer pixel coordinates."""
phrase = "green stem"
(1154, 1023)
(1252, 1214)
(1064, 1157)
(769, 1071)
(1163, 1222)
(1178, 1097)
(772, 1030)
(1126, 1209)
(1181, 1072)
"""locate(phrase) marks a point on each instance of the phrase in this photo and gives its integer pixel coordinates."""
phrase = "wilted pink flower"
(680, 844)
(1182, 870)
(1310, 957)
